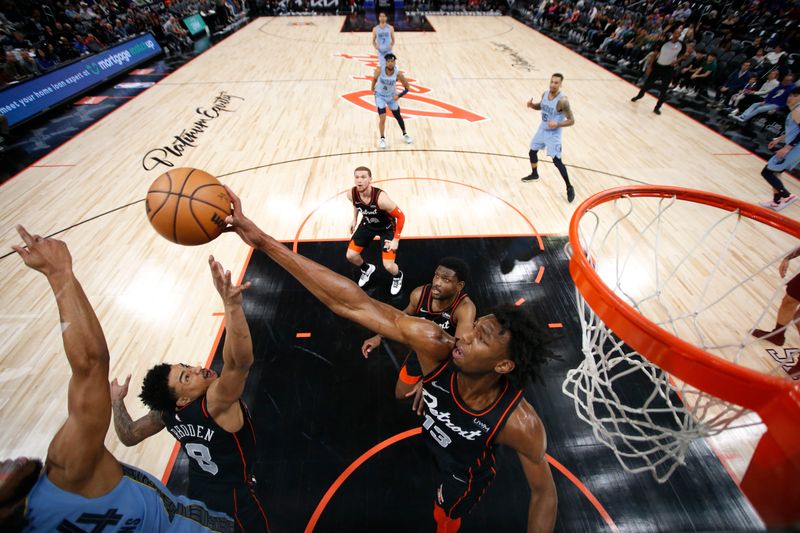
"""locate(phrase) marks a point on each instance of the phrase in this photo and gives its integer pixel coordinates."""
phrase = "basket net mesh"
(706, 275)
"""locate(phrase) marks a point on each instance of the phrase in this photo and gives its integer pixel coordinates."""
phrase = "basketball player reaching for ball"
(384, 84)
(379, 216)
(556, 114)
(81, 484)
(472, 385)
(787, 157)
(383, 38)
(205, 413)
(444, 302)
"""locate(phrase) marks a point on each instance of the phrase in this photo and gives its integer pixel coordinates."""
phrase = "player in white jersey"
(384, 84)
(383, 39)
(556, 114)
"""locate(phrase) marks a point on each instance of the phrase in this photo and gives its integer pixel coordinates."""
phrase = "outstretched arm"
(237, 352)
(373, 342)
(130, 432)
(525, 433)
(77, 455)
(342, 296)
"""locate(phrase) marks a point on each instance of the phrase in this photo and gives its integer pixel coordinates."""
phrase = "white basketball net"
(694, 271)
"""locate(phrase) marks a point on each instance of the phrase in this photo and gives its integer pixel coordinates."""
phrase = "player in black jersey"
(381, 217)
(205, 414)
(442, 301)
(473, 385)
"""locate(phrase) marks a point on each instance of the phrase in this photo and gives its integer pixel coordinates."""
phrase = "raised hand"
(48, 256)
(243, 226)
(118, 392)
(231, 294)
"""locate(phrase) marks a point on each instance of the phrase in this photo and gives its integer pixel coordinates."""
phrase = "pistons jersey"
(216, 457)
(445, 318)
(462, 440)
(372, 216)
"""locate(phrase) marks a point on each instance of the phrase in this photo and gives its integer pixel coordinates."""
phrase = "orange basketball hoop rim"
(771, 480)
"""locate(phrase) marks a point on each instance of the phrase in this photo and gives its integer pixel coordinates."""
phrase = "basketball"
(187, 206)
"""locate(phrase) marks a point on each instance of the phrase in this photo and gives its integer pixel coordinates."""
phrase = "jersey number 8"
(200, 453)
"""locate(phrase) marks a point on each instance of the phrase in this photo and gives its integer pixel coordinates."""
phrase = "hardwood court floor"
(274, 111)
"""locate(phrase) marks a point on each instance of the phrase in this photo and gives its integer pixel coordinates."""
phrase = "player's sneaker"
(365, 275)
(382, 144)
(407, 138)
(570, 194)
(397, 284)
(776, 336)
(781, 203)
(533, 176)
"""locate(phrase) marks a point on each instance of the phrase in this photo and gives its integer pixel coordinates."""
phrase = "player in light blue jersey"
(556, 114)
(81, 486)
(384, 84)
(383, 39)
(787, 157)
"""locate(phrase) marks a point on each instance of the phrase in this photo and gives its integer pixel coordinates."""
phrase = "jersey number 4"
(200, 453)
(437, 434)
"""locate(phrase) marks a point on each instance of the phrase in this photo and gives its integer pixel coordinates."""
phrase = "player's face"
(484, 349)
(363, 180)
(17, 476)
(445, 284)
(793, 100)
(189, 382)
(382, 18)
(555, 84)
(390, 64)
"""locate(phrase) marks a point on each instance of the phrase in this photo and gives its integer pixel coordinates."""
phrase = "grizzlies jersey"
(372, 216)
(216, 457)
(139, 502)
(446, 317)
(550, 112)
(384, 38)
(386, 84)
(792, 128)
(462, 440)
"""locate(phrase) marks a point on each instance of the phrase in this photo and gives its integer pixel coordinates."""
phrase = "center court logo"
(423, 107)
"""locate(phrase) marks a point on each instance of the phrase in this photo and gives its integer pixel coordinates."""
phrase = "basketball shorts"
(546, 139)
(456, 496)
(364, 235)
(239, 501)
(383, 101)
(787, 163)
(793, 287)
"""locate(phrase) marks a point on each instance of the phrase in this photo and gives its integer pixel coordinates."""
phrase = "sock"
(399, 274)
(399, 117)
(365, 266)
(562, 169)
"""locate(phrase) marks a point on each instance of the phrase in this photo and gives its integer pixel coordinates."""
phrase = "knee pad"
(381, 110)
(559, 164)
(396, 113)
(532, 156)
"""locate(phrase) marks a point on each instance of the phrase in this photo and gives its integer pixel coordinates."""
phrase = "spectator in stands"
(683, 12)
(93, 44)
(759, 95)
(119, 29)
(759, 60)
(775, 55)
(775, 100)
(735, 82)
(44, 58)
(702, 77)
(750, 49)
(634, 50)
(750, 88)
